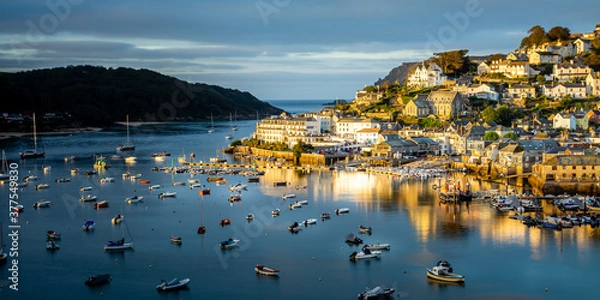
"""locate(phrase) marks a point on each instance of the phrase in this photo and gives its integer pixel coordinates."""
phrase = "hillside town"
(531, 113)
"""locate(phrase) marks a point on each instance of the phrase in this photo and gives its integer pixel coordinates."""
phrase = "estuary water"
(500, 257)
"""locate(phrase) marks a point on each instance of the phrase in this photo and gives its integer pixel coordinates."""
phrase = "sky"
(274, 49)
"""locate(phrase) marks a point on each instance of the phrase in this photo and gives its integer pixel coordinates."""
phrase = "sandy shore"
(9, 135)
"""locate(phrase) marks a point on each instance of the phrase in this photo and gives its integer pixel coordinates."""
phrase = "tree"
(507, 114)
(452, 62)
(369, 89)
(558, 33)
(541, 79)
(498, 56)
(537, 36)
(592, 60)
(489, 114)
(510, 135)
(595, 44)
(491, 136)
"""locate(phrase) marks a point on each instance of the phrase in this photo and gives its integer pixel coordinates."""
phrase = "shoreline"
(14, 135)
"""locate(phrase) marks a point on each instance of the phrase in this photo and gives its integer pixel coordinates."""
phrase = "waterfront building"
(569, 168)
(368, 136)
(393, 146)
(348, 127)
(288, 129)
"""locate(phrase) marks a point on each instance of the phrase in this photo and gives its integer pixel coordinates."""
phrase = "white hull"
(125, 246)
(451, 277)
(383, 246)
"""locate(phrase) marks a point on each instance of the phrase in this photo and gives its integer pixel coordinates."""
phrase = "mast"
(34, 135)
(127, 121)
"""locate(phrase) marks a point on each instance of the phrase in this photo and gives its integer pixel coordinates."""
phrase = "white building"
(564, 89)
(592, 82)
(567, 71)
(368, 136)
(513, 69)
(482, 91)
(562, 120)
(289, 130)
(427, 76)
(347, 128)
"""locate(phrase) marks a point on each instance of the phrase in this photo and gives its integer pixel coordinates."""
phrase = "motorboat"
(235, 198)
(203, 192)
(117, 219)
(250, 217)
(167, 195)
(195, 185)
(568, 204)
(85, 188)
(154, 187)
(30, 178)
(101, 204)
(295, 205)
(295, 227)
(175, 239)
(213, 179)
(342, 211)
(378, 246)
(238, 187)
(310, 221)
(96, 280)
(89, 225)
(130, 159)
(173, 284)
(364, 229)
(224, 222)
(302, 202)
(288, 196)
(88, 198)
(42, 186)
(134, 199)
(75, 171)
(229, 243)
(325, 216)
(91, 172)
(253, 179)
(118, 245)
(62, 180)
(264, 270)
(352, 239)
(18, 208)
(53, 235)
(51, 245)
(280, 183)
(376, 293)
(107, 180)
(443, 272)
(530, 205)
(42, 204)
(70, 158)
(275, 213)
(365, 254)
(144, 181)
(162, 154)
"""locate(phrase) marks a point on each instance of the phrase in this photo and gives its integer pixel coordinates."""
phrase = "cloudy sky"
(275, 49)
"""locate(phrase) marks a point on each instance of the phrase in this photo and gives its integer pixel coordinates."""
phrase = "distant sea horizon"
(300, 105)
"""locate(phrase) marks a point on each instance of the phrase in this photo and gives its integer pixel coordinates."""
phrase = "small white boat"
(167, 195)
(117, 219)
(118, 245)
(250, 217)
(107, 180)
(325, 216)
(174, 284)
(88, 198)
(70, 158)
(230, 243)
(175, 239)
(154, 187)
(264, 270)
(295, 206)
(238, 187)
(47, 169)
(51, 245)
(364, 229)
(130, 159)
(134, 199)
(190, 181)
(62, 180)
(135, 177)
(75, 171)
(343, 210)
(178, 183)
(89, 225)
(378, 246)
(42, 186)
(288, 196)
(42, 204)
(30, 178)
(85, 188)
(365, 254)
(376, 293)
(235, 198)
(442, 273)
(302, 202)
(275, 213)
(310, 221)
(195, 185)
(18, 208)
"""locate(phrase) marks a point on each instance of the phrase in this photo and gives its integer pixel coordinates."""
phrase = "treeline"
(98, 96)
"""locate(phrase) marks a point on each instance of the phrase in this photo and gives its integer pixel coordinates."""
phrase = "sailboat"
(202, 228)
(4, 175)
(3, 255)
(120, 245)
(234, 127)
(32, 153)
(212, 124)
(128, 146)
(230, 135)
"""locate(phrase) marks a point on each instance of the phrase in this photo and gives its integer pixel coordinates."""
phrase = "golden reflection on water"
(429, 219)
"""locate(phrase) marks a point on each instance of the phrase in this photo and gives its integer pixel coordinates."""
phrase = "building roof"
(369, 130)
(420, 103)
(570, 160)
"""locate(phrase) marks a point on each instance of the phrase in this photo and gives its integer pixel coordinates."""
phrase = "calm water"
(500, 257)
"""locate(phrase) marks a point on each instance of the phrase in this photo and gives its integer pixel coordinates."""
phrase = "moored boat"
(352, 239)
(325, 216)
(365, 254)
(276, 212)
(154, 187)
(95, 280)
(224, 222)
(295, 227)
(85, 188)
(62, 180)
(42, 186)
(288, 196)
(229, 243)
(117, 219)
(88, 198)
(118, 245)
(167, 195)
(203, 192)
(250, 217)
(53, 235)
(310, 221)
(101, 204)
(42, 204)
(107, 180)
(51, 245)
(134, 199)
(364, 229)
(235, 198)
(376, 293)
(175, 239)
(173, 284)
(443, 272)
(264, 270)
(295, 205)
(378, 246)
(343, 210)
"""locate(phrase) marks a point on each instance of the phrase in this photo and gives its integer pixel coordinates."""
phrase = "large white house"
(562, 120)
(513, 69)
(592, 82)
(567, 71)
(564, 89)
(368, 135)
(427, 76)
(289, 130)
(482, 91)
(347, 127)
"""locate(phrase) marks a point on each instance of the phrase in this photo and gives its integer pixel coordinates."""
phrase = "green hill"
(98, 96)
